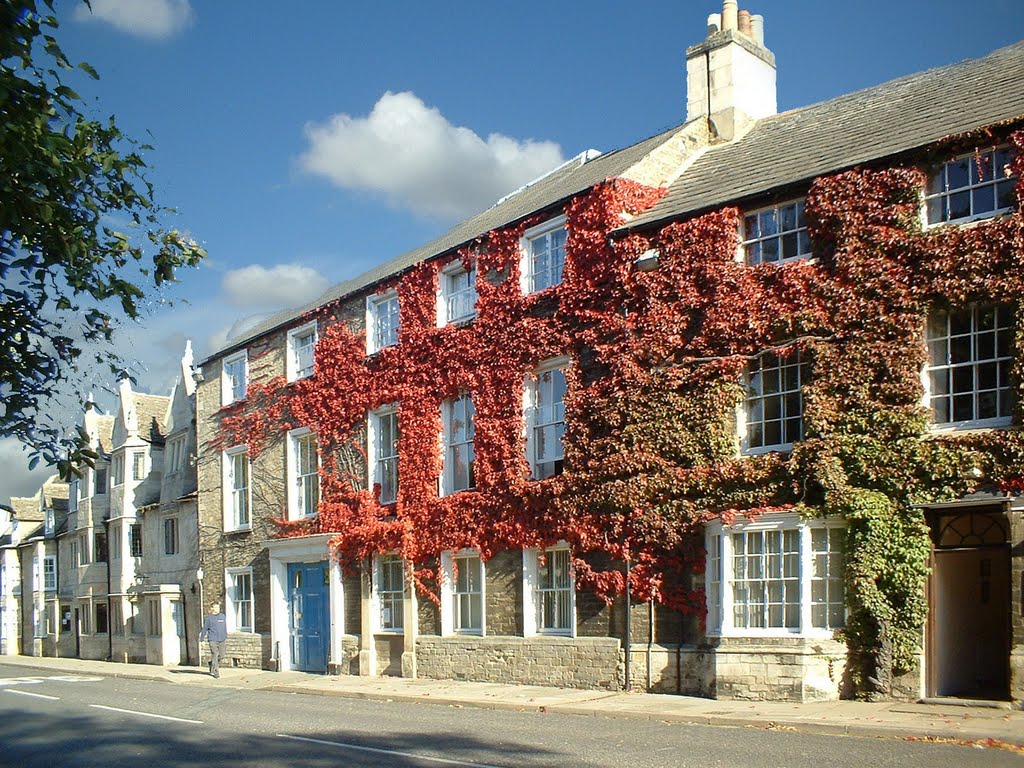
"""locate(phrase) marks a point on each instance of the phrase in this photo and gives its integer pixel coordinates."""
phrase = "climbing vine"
(657, 361)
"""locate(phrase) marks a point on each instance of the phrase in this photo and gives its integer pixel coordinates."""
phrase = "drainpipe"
(629, 626)
(650, 641)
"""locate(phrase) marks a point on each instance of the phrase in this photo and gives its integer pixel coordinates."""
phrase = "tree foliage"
(81, 239)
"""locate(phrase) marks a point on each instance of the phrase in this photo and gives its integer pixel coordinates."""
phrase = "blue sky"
(304, 142)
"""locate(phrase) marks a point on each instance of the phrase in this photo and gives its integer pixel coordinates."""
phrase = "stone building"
(130, 547)
(28, 571)
(696, 366)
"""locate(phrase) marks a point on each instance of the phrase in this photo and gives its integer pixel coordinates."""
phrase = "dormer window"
(970, 187)
(776, 234)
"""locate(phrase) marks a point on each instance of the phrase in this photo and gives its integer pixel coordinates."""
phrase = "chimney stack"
(730, 76)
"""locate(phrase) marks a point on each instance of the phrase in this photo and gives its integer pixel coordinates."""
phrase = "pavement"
(976, 723)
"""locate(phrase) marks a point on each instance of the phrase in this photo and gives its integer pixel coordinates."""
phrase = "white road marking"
(376, 751)
(146, 714)
(34, 695)
(57, 678)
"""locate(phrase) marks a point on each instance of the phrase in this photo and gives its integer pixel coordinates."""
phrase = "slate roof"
(858, 128)
(152, 413)
(565, 181)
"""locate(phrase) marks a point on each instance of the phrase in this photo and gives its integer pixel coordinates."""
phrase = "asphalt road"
(53, 721)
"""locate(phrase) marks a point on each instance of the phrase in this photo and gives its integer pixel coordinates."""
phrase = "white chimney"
(730, 76)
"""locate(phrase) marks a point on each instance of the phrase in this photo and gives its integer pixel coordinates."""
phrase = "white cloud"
(156, 19)
(220, 339)
(410, 153)
(284, 285)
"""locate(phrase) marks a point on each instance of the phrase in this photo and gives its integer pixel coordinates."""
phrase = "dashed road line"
(146, 714)
(33, 695)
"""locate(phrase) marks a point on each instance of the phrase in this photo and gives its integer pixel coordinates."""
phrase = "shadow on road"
(87, 741)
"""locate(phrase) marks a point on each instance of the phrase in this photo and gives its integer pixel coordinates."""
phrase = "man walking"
(215, 630)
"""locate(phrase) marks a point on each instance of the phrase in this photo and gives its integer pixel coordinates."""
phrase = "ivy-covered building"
(731, 412)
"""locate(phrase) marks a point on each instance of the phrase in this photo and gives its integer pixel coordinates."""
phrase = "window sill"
(969, 221)
(781, 448)
(240, 529)
(962, 427)
(774, 634)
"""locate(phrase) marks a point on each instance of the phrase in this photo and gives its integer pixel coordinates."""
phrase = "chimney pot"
(714, 23)
(743, 23)
(757, 28)
(729, 12)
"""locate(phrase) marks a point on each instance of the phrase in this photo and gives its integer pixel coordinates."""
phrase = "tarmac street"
(188, 699)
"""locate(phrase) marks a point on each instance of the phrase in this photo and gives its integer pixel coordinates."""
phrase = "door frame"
(995, 517)
(302, 549)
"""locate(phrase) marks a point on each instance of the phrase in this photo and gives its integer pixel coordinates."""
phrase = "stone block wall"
(581, 662)
(780, 669)
(679, 669)
(349, 663)
(243, 649)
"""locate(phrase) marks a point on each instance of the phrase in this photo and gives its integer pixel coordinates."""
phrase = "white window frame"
(234, 377)
(140, 466)
(796, 237)
(390, 600)
(531, 238)
(448, 295)
(938, 191)
(719, 575)
(534, 590)
(235, 496)
(794, 360)
(236, 602)
(172, 534)
(379, 335)
(298, 500)
(136, 545)
(451, 611)
(383, 463)
(450, 447)
(532, 414)
(49, 573)
(117, 473)
(50, 520)
(297, 367)
(948, 369)
(176, 454)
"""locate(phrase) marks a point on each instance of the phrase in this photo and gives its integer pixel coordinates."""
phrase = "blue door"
(309, 615)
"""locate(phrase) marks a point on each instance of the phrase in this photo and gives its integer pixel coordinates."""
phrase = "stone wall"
(678, 669)
(781, 669)
(243, 649)
(581, 662)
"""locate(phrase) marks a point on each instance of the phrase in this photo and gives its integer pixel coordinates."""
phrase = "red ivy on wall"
(656, 363)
